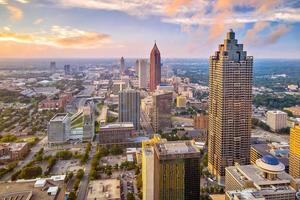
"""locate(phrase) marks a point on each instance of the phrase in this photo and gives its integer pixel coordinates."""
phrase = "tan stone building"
(276, 119)
(294, 160)
(230, 101)
(201, 121)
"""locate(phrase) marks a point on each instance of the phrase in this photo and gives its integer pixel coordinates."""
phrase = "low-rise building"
(13, 151)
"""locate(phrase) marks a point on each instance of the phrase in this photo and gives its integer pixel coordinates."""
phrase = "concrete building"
(116, 133)
(122, 65)
(266, 179)
(108, 189)
(129, 107)
(155, 68)
(59, 128)
(294, 159)
(201, 121)
(277, 120)
(88, 123)
(162, 107)
(143, 73)
(118, 85)
(178, 171)
(13, 151)
(180, 102)
(230, 107)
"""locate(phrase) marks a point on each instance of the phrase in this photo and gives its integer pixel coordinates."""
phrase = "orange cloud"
(276, 34)
(15, 13)
(258, 26)
(86, 40)
(175, 5)
(16, 37)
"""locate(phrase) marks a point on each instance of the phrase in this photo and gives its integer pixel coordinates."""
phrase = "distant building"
(52, 67)
(161, 111)
(201, 121)
(67, 69)
(294, 161)
(230, 107)
(108, 189)
(59, 128)
(170, 170)
(276, 120)
(116, 133)
(181, 102)
(129, 107)
(295, 110)
(118, 85)
(136, 67)
(122, 65)
(143, 73)
(88, 123)
(266, 180)
(155, 68)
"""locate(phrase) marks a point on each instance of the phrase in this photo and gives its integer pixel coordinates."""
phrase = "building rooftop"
(118, 125)
(247, 194)
(108, 189)
(176, 147)
(59, 117)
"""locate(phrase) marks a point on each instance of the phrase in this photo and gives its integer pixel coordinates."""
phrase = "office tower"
(155, 68)
(230, 101)
(276, 120)
(59, 128)
(136, 67)
(67, 69)
(122, 65)
(52, 67)
(162, 107)
(180, 101)
(142, 66)
(88, 123)
(294, 160)
(129, 107)
(178, 171)
(265, 180)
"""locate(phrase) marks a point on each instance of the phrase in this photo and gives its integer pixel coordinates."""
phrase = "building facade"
(116, 133)
(129, 107)
(161, 111)
(230, 101)
(180, 101)
(59, 128)
(277, 120)
(201, 121)
(294, 160)
(143, 73)
(88, 123)
(155, 68)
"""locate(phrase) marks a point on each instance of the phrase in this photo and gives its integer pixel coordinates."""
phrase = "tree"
(31, 172)
(79, 174)
(130, 196)
(116, 150)
(72, 196)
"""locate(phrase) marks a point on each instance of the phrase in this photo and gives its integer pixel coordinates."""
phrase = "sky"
(129, 28)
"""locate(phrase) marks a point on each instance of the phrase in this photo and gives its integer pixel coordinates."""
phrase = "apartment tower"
(155, 68)
(230, 100)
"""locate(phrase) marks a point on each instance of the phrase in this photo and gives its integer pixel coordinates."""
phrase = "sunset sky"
(114, 28)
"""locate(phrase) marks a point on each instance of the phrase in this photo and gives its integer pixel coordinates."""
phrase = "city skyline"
(182, 28)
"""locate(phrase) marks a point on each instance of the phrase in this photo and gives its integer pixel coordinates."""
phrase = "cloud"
(60, 37)
(38, 21)
(175, 6)
(23, 1)
(276, 34)
(258, 27)
(15, 12)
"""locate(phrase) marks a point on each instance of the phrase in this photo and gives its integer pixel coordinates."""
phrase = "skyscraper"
(155, 68)
(294, 160)
(67, 69)
(142, 69)
(230, 101)
(162, 107)
(52, 67)
(129, 107)
(122, 65)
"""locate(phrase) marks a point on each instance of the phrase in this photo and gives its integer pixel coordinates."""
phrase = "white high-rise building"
(142, 69)
(276, 120)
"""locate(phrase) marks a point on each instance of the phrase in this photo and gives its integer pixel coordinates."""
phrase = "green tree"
(116, 150)
(31, 172)
(79, 174)
(130, 196)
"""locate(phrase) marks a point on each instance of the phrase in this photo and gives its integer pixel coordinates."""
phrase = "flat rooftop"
(176, 147)
(118, 125)
(108, 189)
(59, 117)
(246, 194)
